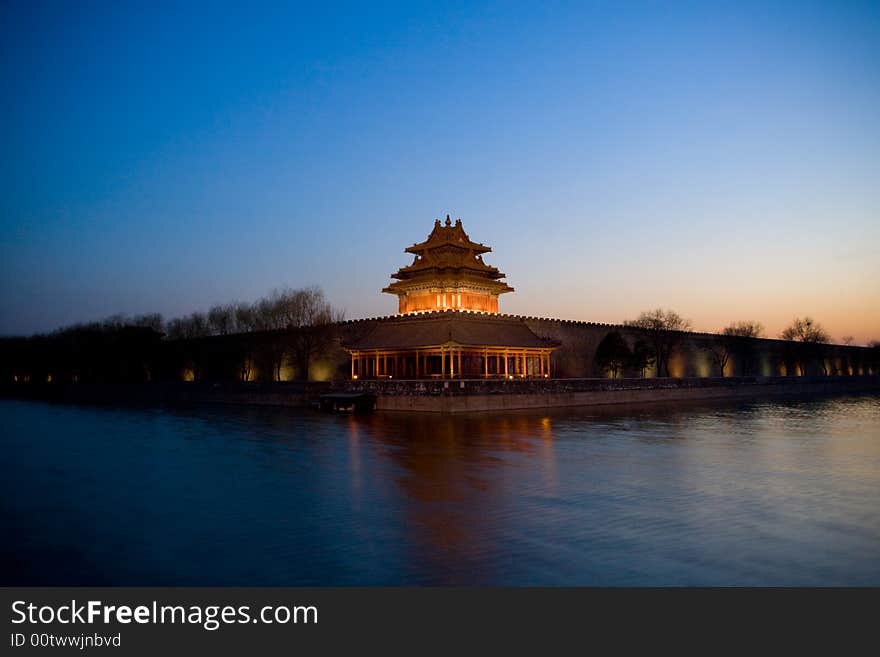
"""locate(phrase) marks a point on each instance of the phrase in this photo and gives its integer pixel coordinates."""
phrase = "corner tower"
(448, 272)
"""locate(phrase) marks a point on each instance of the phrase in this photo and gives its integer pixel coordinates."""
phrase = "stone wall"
(575, 357)
(499, 395)
(222, 358)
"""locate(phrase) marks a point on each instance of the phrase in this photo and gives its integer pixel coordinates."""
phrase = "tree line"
(659, 333)
(244, 341)
(288, 325)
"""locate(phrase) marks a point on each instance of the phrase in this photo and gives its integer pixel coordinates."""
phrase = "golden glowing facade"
(448, 324)
(448, 273)
(450, 344)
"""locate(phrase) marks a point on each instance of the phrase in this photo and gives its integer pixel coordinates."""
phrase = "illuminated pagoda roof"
(448, 271)
(448, 324)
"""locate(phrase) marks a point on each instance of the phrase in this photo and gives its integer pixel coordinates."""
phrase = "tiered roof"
(448, 253)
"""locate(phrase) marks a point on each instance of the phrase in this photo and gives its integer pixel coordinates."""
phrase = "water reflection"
(760, 493)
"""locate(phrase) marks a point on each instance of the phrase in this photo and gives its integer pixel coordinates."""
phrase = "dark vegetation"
(277, 337)
(655, 336)
(230, 342)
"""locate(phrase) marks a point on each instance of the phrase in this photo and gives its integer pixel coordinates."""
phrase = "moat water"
(769, 493)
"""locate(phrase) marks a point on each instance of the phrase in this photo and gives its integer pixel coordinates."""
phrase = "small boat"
(347, 402)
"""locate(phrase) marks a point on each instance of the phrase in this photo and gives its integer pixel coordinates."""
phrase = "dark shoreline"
(451, 396)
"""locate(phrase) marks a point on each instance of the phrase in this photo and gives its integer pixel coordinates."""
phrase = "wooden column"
(352, 365)
(506, 367)
(486, 364)
(459, 364)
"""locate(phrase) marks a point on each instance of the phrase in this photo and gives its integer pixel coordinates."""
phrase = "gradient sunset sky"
(719, 159)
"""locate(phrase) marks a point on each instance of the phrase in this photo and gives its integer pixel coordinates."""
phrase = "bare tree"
(245, 318)
(847, 340)
(736, 340)
(312, 331)
(189, 327)
(150, 320)
(720, 350)
(301, 317)
(810, 334)
(198, 325)
(246, 366)
(266, 315)
(663, 330)
(174, 329)
(273, 351)
(744, 330)
(221, 319)
(805, 330)
(288, 307)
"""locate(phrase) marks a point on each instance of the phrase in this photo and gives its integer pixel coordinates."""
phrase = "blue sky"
(721, 159)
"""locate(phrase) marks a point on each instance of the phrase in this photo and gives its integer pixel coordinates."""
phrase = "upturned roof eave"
(416, 249)
(501, 286)
(412, 271)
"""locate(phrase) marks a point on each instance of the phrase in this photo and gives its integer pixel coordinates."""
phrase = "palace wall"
(576, 355)
(273, 355)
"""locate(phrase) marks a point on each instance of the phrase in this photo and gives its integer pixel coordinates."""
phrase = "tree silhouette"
(642, 357)
(663, 330)
(810, 335)
(613, 354)
(737, 341)
(805, 330)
